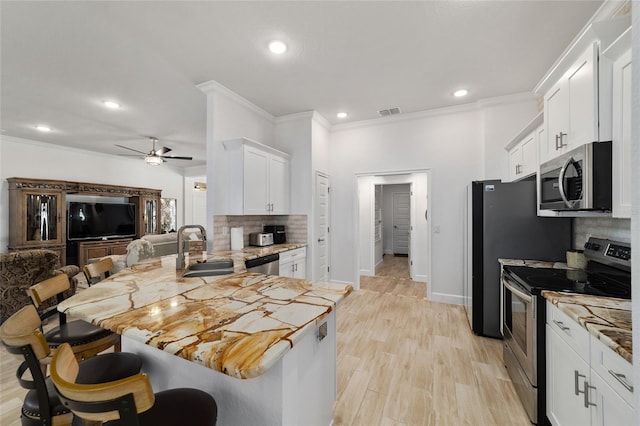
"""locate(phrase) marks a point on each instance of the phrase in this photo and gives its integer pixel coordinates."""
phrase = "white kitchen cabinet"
(523, 151)
(587, 382)
(571, 108)
(567, 373)
(258, 179)
(523, 158)
(293, 263)
(619, 55)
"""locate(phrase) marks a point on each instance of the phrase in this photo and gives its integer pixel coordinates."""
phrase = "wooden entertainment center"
(38, 215)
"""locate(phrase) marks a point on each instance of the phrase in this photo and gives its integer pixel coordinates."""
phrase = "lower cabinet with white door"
(587, 382)
(293, 263)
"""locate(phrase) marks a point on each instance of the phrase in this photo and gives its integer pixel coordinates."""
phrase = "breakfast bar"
(264, 346)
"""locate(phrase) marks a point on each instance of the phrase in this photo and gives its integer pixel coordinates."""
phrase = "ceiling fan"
(155, 157)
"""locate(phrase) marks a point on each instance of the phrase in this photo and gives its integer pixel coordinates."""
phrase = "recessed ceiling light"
(460, 93)
(278, 47)
(43, 128)
(111, 104)
(341, 115)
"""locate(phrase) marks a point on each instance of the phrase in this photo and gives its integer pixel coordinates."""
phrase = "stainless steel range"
(608, 274)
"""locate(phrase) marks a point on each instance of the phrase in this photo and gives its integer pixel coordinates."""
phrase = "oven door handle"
(563, 171)
(527, 298)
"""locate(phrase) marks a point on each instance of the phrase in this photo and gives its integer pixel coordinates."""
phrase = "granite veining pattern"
(607, 318)
(239, 324)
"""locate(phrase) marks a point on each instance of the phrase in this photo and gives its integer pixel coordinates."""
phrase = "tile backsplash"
(602, 227)
(295, 227)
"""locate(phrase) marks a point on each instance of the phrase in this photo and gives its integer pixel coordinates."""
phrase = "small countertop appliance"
(261, 239)
(278, 231)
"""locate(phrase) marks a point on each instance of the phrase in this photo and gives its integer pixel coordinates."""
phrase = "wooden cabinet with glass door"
(148, 207)
(37, 215)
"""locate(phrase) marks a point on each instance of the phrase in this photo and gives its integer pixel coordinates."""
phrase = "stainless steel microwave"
(578, 180)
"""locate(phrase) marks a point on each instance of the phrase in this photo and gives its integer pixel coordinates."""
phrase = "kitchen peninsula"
(263, 346)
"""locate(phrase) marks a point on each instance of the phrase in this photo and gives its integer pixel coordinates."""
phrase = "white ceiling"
(61, 59)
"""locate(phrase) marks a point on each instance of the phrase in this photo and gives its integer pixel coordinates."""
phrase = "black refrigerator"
(501, 222)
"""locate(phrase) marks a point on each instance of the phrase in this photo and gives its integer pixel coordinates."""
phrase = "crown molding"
(212, 86)
(507, 99)
(319, 118)
(294, 117)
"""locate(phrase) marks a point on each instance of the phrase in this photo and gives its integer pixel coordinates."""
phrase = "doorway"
(394, 246)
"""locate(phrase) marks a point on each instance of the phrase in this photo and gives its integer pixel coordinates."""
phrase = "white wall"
(503, 118)
(451, 144)
(32, 159)
(635, 213)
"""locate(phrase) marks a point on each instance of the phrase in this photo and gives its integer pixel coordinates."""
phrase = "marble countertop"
(607, 318)
(533, 263)
(253, 252)
(239, 324)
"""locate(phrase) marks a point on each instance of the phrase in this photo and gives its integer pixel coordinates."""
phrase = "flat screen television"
(100, 220)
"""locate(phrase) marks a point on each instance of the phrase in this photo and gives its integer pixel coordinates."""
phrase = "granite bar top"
(607, 318)
(533, 263)
(239, 324)
(253, 252)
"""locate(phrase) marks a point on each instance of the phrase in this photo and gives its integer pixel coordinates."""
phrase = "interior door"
(321, 261)
(401, 222)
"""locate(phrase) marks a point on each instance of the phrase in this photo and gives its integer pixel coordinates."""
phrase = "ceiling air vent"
(389, 111)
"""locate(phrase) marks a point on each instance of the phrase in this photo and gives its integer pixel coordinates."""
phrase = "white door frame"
(402, 176)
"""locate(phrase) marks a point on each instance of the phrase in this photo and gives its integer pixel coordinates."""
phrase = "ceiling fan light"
(153, 160)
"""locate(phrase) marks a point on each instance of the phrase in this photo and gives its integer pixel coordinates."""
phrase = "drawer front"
(569, 329)
(288, 255)
(616, 371)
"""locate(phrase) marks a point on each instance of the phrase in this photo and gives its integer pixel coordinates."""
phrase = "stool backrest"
(23, 329)
(52, 287)
(121, 399)
(94, 271)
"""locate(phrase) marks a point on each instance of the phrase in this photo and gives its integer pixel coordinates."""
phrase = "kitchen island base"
(298, 389)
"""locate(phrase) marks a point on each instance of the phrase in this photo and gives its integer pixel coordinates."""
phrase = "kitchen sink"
(210, 268)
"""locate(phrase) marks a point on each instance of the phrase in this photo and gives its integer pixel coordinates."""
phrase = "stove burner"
(572, 280)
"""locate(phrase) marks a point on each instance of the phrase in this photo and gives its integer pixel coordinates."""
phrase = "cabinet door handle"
(320, 240)
(562, 135)
(622, 379)
(562, 327)
(587, 403)
(557, 139)
(577, 376)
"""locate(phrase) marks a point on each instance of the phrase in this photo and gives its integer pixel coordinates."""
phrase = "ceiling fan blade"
(173, 157)
(131, 149)
(163, 150)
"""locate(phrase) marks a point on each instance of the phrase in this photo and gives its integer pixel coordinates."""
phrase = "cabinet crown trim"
(530, 127)
(240, 142)
(603, 32)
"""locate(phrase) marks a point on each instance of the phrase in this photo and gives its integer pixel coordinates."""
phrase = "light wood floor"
(393, 266)
(402, 360)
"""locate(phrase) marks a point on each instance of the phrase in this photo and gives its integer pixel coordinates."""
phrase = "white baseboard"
(388, 251)
(452, 299)
(367, 273)
(421, 278)
(378, 263)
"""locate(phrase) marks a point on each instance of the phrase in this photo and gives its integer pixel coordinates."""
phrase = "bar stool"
(97, 271)
(21, 335)
(131, 401)
(85, 339)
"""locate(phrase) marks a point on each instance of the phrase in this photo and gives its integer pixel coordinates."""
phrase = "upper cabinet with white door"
(523, 150)
(258, 178)
(577, 93)
(617, 58)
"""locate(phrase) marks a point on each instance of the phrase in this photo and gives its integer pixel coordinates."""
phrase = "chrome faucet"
(180, 258)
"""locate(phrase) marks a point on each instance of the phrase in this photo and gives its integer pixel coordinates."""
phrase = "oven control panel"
(607, 251)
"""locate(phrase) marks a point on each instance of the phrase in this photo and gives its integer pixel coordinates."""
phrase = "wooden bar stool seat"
(130, 401)
(21, 335)
(85, 339)
(97, 271)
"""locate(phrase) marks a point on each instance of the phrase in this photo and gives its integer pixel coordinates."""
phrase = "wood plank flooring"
(402, 360)
(393, 266)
